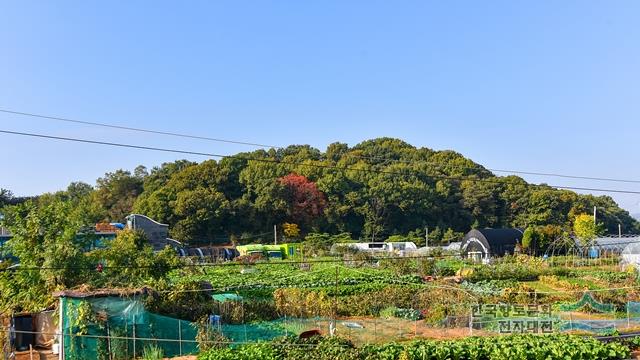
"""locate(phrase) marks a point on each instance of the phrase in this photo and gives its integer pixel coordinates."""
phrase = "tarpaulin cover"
(113, 325)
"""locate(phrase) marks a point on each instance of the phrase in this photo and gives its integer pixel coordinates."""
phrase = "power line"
(148, 131)
(276, 161)
(237, 142)
(499, 170)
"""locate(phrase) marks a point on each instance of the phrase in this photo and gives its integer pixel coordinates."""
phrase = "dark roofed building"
(156, 232)
(482, 244)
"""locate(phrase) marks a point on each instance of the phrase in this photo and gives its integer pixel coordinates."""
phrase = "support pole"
(275, 235)
(61, 327)
(109, 341)
(134, 336)
(334, 323)
(426, 237)
(628, 314)
(180, 335)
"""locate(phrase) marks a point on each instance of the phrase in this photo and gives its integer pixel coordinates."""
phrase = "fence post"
(134, 336)
(109, 340)
(628, 313)
(6, 339)
(570, 320)
(375, 329)
(60, 326)
(180, 335)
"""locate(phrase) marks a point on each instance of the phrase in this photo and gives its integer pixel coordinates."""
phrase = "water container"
(214, 320)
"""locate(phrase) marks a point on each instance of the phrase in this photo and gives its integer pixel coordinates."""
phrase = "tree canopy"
(373, 190)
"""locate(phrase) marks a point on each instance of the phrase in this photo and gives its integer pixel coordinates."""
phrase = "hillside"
(372, 190)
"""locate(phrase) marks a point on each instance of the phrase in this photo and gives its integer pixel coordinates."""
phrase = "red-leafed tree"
(305, 201)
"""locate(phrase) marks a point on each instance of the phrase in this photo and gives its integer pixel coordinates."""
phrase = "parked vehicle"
(381, 247)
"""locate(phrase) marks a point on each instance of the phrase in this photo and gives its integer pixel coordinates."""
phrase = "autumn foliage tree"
(305, 201)
(586, 229)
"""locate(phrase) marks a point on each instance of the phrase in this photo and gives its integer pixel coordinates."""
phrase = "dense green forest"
(374, 190)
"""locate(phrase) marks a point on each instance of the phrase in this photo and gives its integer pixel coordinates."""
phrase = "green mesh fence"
(633, 308)
(269, 330)
(593, 326)
(96, 327)
(587, 299)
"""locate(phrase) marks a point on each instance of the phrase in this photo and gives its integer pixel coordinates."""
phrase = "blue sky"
(537, 86)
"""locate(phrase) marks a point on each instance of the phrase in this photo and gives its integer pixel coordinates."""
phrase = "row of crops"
(518, 275)
(403, 300)
(550, 347)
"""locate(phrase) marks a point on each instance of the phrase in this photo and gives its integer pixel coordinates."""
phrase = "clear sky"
(528, 85)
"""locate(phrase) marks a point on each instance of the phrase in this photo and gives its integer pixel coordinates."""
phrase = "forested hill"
(375, 189)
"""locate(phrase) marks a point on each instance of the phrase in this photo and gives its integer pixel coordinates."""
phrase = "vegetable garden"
(371, 303)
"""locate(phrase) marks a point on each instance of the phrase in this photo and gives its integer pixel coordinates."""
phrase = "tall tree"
(305, 202)
(117, 192)
(586, 229)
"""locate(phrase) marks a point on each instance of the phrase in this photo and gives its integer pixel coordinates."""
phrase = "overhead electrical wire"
(520, 172)
(128, 128)
(277, 161)
(259, 145)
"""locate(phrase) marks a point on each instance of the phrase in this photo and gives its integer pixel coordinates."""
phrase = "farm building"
(157, 233)
(482, 244)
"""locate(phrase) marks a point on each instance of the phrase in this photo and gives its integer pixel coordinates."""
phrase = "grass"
(152, 352)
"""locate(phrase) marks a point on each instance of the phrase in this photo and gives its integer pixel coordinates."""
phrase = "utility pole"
(619, 230)
(275, 235)
(426, 236)
(595, 211)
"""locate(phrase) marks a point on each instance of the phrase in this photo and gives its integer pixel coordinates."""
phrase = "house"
(482, 244)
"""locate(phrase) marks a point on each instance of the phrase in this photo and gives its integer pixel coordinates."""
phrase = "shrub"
(388, 312)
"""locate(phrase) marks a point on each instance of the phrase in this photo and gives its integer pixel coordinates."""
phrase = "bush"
(508, 271)
(448, 267)
(404, 266)
(388, 312)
